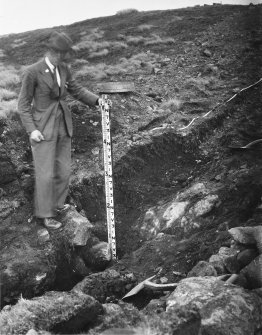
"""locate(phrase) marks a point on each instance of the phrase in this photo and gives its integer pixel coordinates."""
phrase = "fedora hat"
(59, 42)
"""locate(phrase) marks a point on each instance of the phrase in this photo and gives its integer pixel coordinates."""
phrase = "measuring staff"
(108, 171)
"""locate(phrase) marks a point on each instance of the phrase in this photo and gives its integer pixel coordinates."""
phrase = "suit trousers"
(52, 161)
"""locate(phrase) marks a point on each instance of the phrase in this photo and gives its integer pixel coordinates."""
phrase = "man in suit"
(47, 119)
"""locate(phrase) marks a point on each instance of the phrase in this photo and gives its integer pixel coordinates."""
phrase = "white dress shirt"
(52, 67)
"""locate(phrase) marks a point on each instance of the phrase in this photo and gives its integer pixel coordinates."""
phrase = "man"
(48, 121)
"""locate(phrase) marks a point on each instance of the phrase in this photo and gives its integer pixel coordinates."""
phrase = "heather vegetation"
(9, 80)
(140, 63)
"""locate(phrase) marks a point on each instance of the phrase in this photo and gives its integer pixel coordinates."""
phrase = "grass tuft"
(8, 108)
(173, 104)
(8, 78)
(127, 11)
(7, 95)
(145, 27)
(100, 53)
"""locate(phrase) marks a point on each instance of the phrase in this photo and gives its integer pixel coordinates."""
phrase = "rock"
(207, 53)
(248, 235)
(105, 284)
(156, 70)
(244, 235)
(231, 263)
(77, 228)
(202, 269)
(196, 189)
(79, 267)
(151, 225)
(121, 318)
(176, 321)
(32, 332)
(217, 262)
(228, 256)
(97, 256)
(205, 205)
(43, 236)
(155, 306)
(245, 257)
(173, 212)
(27, 267)
(253, 273)
(224, 309)
(175, 218)
(61, 312)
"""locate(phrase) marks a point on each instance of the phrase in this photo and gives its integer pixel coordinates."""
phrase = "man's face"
(58, 57)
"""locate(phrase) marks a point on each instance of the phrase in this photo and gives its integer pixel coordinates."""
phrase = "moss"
(47, 312)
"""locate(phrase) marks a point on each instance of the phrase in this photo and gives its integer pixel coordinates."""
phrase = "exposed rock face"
(54, 311)
(181, 215)
(224, 309)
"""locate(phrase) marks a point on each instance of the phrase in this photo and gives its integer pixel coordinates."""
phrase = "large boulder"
(124, 319)
(202, 269)
(118, 319)
(96, 254)
(225, 309)
(109, 284)
(63, 312)
(253, 273)
(248, 236)
(28, 266)
(77, 228)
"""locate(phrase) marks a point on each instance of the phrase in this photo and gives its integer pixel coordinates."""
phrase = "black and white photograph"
(131, 167)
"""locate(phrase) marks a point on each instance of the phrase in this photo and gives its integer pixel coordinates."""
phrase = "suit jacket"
(40, 98)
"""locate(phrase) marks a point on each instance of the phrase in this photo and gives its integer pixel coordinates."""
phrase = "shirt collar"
(49, 64)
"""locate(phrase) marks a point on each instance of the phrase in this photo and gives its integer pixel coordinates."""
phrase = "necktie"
(56, 86)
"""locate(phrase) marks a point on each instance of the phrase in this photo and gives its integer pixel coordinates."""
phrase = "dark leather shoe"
(51, 223)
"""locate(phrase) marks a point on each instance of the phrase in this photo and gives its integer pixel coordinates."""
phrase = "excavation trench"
(142, 177)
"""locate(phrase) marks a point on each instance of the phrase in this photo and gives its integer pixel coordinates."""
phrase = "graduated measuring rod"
(111, 87)
(108, 171)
